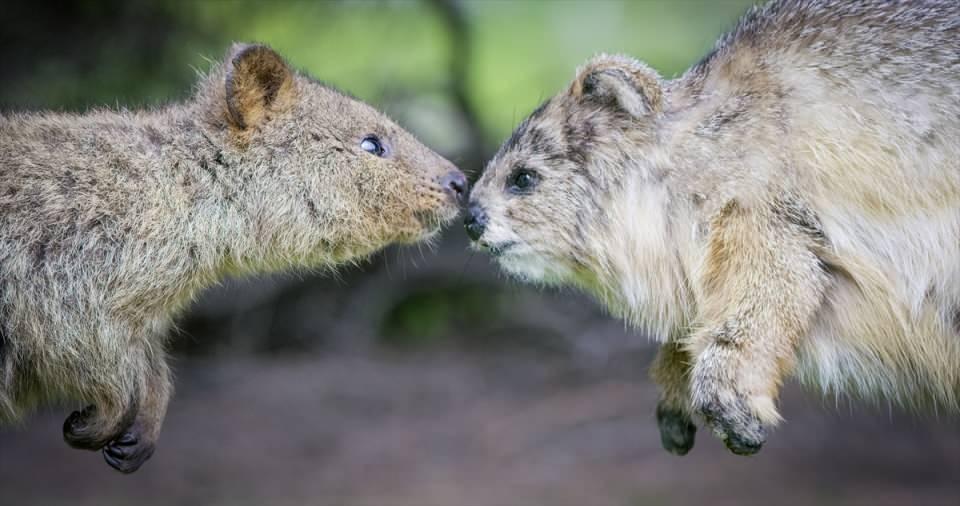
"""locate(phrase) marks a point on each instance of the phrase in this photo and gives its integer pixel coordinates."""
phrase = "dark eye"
(522, 181)
(371, 144)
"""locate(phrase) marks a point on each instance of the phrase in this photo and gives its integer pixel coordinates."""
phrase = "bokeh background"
(422, 377)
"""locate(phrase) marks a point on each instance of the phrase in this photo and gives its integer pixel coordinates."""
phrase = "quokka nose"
(455, 184)
(475, 222)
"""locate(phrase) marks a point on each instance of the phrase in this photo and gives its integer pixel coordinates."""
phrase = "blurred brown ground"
(455, 431)
(560, 419)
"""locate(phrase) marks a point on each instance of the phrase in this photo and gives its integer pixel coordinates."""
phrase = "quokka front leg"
(761, 285)
(136, 443)
(671, 371)
(129, 405)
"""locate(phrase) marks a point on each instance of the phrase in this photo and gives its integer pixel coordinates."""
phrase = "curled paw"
(677, 431)
(80, 431)
(736, 424)
(128, 451)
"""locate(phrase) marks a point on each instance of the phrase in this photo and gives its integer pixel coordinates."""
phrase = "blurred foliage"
(427, 316)
(72, 55)
(139, 52)
(475, 316)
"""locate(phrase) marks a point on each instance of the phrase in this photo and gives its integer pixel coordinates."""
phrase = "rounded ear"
(621, 82)
(258, 81)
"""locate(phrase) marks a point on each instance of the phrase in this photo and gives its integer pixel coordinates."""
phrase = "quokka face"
(398, 189)
(332, 159)
(542, 195)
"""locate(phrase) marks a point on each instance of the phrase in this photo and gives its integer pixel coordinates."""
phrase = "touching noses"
(454, 183)
(475, 221)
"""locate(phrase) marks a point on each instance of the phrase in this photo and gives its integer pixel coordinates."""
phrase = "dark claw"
(677, 431)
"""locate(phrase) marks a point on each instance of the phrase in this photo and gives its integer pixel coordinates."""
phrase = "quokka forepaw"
(677, 430)
(124, 449)
(740, 430)
(128, 451)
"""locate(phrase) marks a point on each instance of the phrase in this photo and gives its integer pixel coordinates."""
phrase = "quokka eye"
(371, 144)
(522, 181)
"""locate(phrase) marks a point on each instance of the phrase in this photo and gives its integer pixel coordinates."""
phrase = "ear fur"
(258, 81)
(622, 82)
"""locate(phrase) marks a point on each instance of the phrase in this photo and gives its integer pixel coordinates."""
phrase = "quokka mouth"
(438, 210)
(496, 250)
(434, 220)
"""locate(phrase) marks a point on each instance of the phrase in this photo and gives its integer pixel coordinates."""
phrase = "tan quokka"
(112, 221)
(788, 206)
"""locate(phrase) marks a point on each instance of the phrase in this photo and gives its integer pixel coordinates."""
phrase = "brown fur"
(790, 205)
(111, 221)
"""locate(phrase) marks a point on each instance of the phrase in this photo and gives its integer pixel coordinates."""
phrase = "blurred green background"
(423, 377)
(497, 59)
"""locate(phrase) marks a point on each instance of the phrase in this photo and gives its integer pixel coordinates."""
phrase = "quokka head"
(548, 189)
(329, 175)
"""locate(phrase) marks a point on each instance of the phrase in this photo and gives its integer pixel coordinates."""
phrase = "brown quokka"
(788, 206)
(111, 221)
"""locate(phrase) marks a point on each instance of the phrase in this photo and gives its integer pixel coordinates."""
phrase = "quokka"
(111, 222)
(788, 206)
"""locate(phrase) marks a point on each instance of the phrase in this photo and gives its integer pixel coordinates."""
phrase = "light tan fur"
(788, 206)
(112, 221)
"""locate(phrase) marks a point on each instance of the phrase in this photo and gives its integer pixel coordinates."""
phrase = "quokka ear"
(258, 82)
(622, 82)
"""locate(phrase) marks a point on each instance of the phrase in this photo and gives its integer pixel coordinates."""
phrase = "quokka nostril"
(455, 183)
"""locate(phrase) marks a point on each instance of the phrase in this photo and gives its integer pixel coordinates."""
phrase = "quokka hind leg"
(671, 371)
(762, 285)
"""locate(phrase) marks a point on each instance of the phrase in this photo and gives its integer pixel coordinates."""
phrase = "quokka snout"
(788, 206)
(111, 222)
